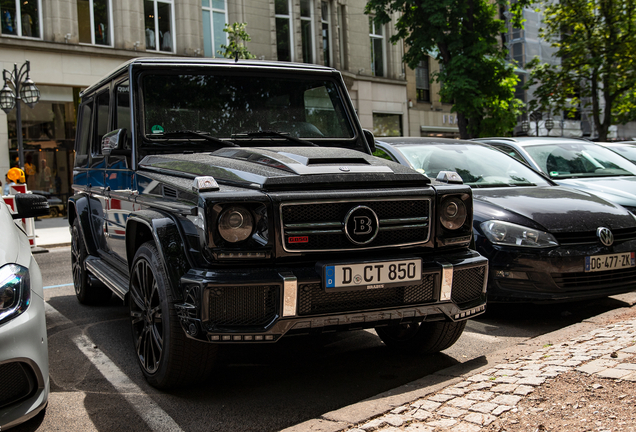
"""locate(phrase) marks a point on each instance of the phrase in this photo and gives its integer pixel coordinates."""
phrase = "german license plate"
(372, 275)
(610, 262)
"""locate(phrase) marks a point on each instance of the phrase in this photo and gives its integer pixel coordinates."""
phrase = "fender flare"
(79, 207)
(152, 225)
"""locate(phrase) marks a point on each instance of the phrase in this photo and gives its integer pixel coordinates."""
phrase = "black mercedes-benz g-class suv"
(239, 202)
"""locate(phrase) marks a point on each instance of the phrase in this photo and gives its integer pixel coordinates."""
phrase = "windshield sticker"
(156, 129)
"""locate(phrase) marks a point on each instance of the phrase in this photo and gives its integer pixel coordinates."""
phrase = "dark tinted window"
(122, 113)
(101, 121)
(83, 133)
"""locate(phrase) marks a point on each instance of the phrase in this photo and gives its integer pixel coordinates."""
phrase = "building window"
(387, 125)
(377, 48)
(158, 23)
(93, 19)
(422, 81)
(284, 42)
(341, 36)
(324, 21)
(20, 18)
(214, 20)
(306, 30)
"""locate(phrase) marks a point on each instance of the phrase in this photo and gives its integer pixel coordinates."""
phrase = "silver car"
(576, 163)
(24, 363)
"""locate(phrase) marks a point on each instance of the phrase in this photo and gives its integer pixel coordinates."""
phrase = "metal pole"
(19, 126)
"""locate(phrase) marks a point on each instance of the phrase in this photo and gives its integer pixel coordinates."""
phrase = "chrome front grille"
(320, 225)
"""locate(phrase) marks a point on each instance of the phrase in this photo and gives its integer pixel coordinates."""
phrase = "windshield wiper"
(272, 133)
(205, 135)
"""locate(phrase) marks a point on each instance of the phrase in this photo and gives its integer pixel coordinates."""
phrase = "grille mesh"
(15, 383)
(335, 212)
(242, 306)
(599, 280)
(468, 284)
(312, 299)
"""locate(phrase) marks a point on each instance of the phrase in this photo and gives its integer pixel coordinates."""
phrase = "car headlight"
(509, 234)
(236, 224)
(15, 291)
(452, 213)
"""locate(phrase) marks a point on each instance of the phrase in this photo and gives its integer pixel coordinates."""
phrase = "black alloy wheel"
(422, 338)
(87, 293)
(166, 356)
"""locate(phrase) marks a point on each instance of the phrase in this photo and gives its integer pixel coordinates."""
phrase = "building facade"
(70, 44)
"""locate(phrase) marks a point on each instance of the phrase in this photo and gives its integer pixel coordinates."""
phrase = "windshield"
(580, 160)
(477, 165)
(625, 150)
(225, 106)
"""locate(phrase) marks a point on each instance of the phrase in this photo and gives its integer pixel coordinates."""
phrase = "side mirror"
(368, 135)
(113, 141)
(30, 205)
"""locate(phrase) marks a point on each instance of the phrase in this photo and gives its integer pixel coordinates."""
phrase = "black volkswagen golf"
(544, 242)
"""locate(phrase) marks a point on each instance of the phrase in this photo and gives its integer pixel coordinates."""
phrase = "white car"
(24, 362)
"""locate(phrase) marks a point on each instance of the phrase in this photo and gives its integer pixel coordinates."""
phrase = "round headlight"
(452, 213)
(236, 224)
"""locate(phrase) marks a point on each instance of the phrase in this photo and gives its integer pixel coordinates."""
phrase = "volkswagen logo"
(605, 236)
(361, 225)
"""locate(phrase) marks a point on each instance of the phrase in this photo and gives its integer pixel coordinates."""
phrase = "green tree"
(462, 36)
(236, 36)
(596, 43)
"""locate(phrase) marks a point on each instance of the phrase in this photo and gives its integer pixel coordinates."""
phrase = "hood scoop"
(307, 161)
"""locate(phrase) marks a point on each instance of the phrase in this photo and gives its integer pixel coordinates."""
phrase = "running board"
(113, 279)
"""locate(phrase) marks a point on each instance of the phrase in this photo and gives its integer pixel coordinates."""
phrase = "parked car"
(579, 164)
(24, 364)
(57, 207)
(627, 149)
(544, 242)
(238, 202)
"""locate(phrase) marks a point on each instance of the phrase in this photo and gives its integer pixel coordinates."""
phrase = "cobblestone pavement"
(477, 401)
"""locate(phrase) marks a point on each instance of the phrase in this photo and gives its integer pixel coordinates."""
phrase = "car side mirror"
(114, 142)
(368, 135)
(29, 205)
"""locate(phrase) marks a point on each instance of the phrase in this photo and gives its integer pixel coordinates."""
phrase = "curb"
(344, 418)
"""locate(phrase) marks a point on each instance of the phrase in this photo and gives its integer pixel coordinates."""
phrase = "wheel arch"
(163, 231)
(79, 208)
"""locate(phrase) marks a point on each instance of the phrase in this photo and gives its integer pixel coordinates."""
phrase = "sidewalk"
(51, 232)
(495, 393)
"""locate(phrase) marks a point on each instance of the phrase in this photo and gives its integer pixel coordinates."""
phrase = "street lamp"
(549, 124)
(525, 126)
(24, 90)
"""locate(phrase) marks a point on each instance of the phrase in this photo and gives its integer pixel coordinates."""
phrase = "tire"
(86, 293)
(422, 338)
(54, 212)
(166, 356)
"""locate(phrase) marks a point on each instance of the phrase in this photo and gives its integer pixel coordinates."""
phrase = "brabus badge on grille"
(361, 225)
(605, 236)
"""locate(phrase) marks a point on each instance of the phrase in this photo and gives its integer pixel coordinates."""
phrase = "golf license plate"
(610, 262)
(372, 275)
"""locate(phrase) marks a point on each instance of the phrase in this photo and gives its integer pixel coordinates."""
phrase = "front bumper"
(554, 275)
(24, 365)
(270, 303)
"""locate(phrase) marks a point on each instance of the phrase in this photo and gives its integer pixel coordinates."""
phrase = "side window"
(382, 154)
(122, 113)
(83, 134)
(101, 121)
(509, 151)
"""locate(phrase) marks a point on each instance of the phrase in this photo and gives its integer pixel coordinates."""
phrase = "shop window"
(326, 35)
(376, 33)
(342, 36)
(422, 81)
(93, 19)
(284, 40)
(214, 20)
(158, 25)
(20, 18)
(306, 30)
(387, 125)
